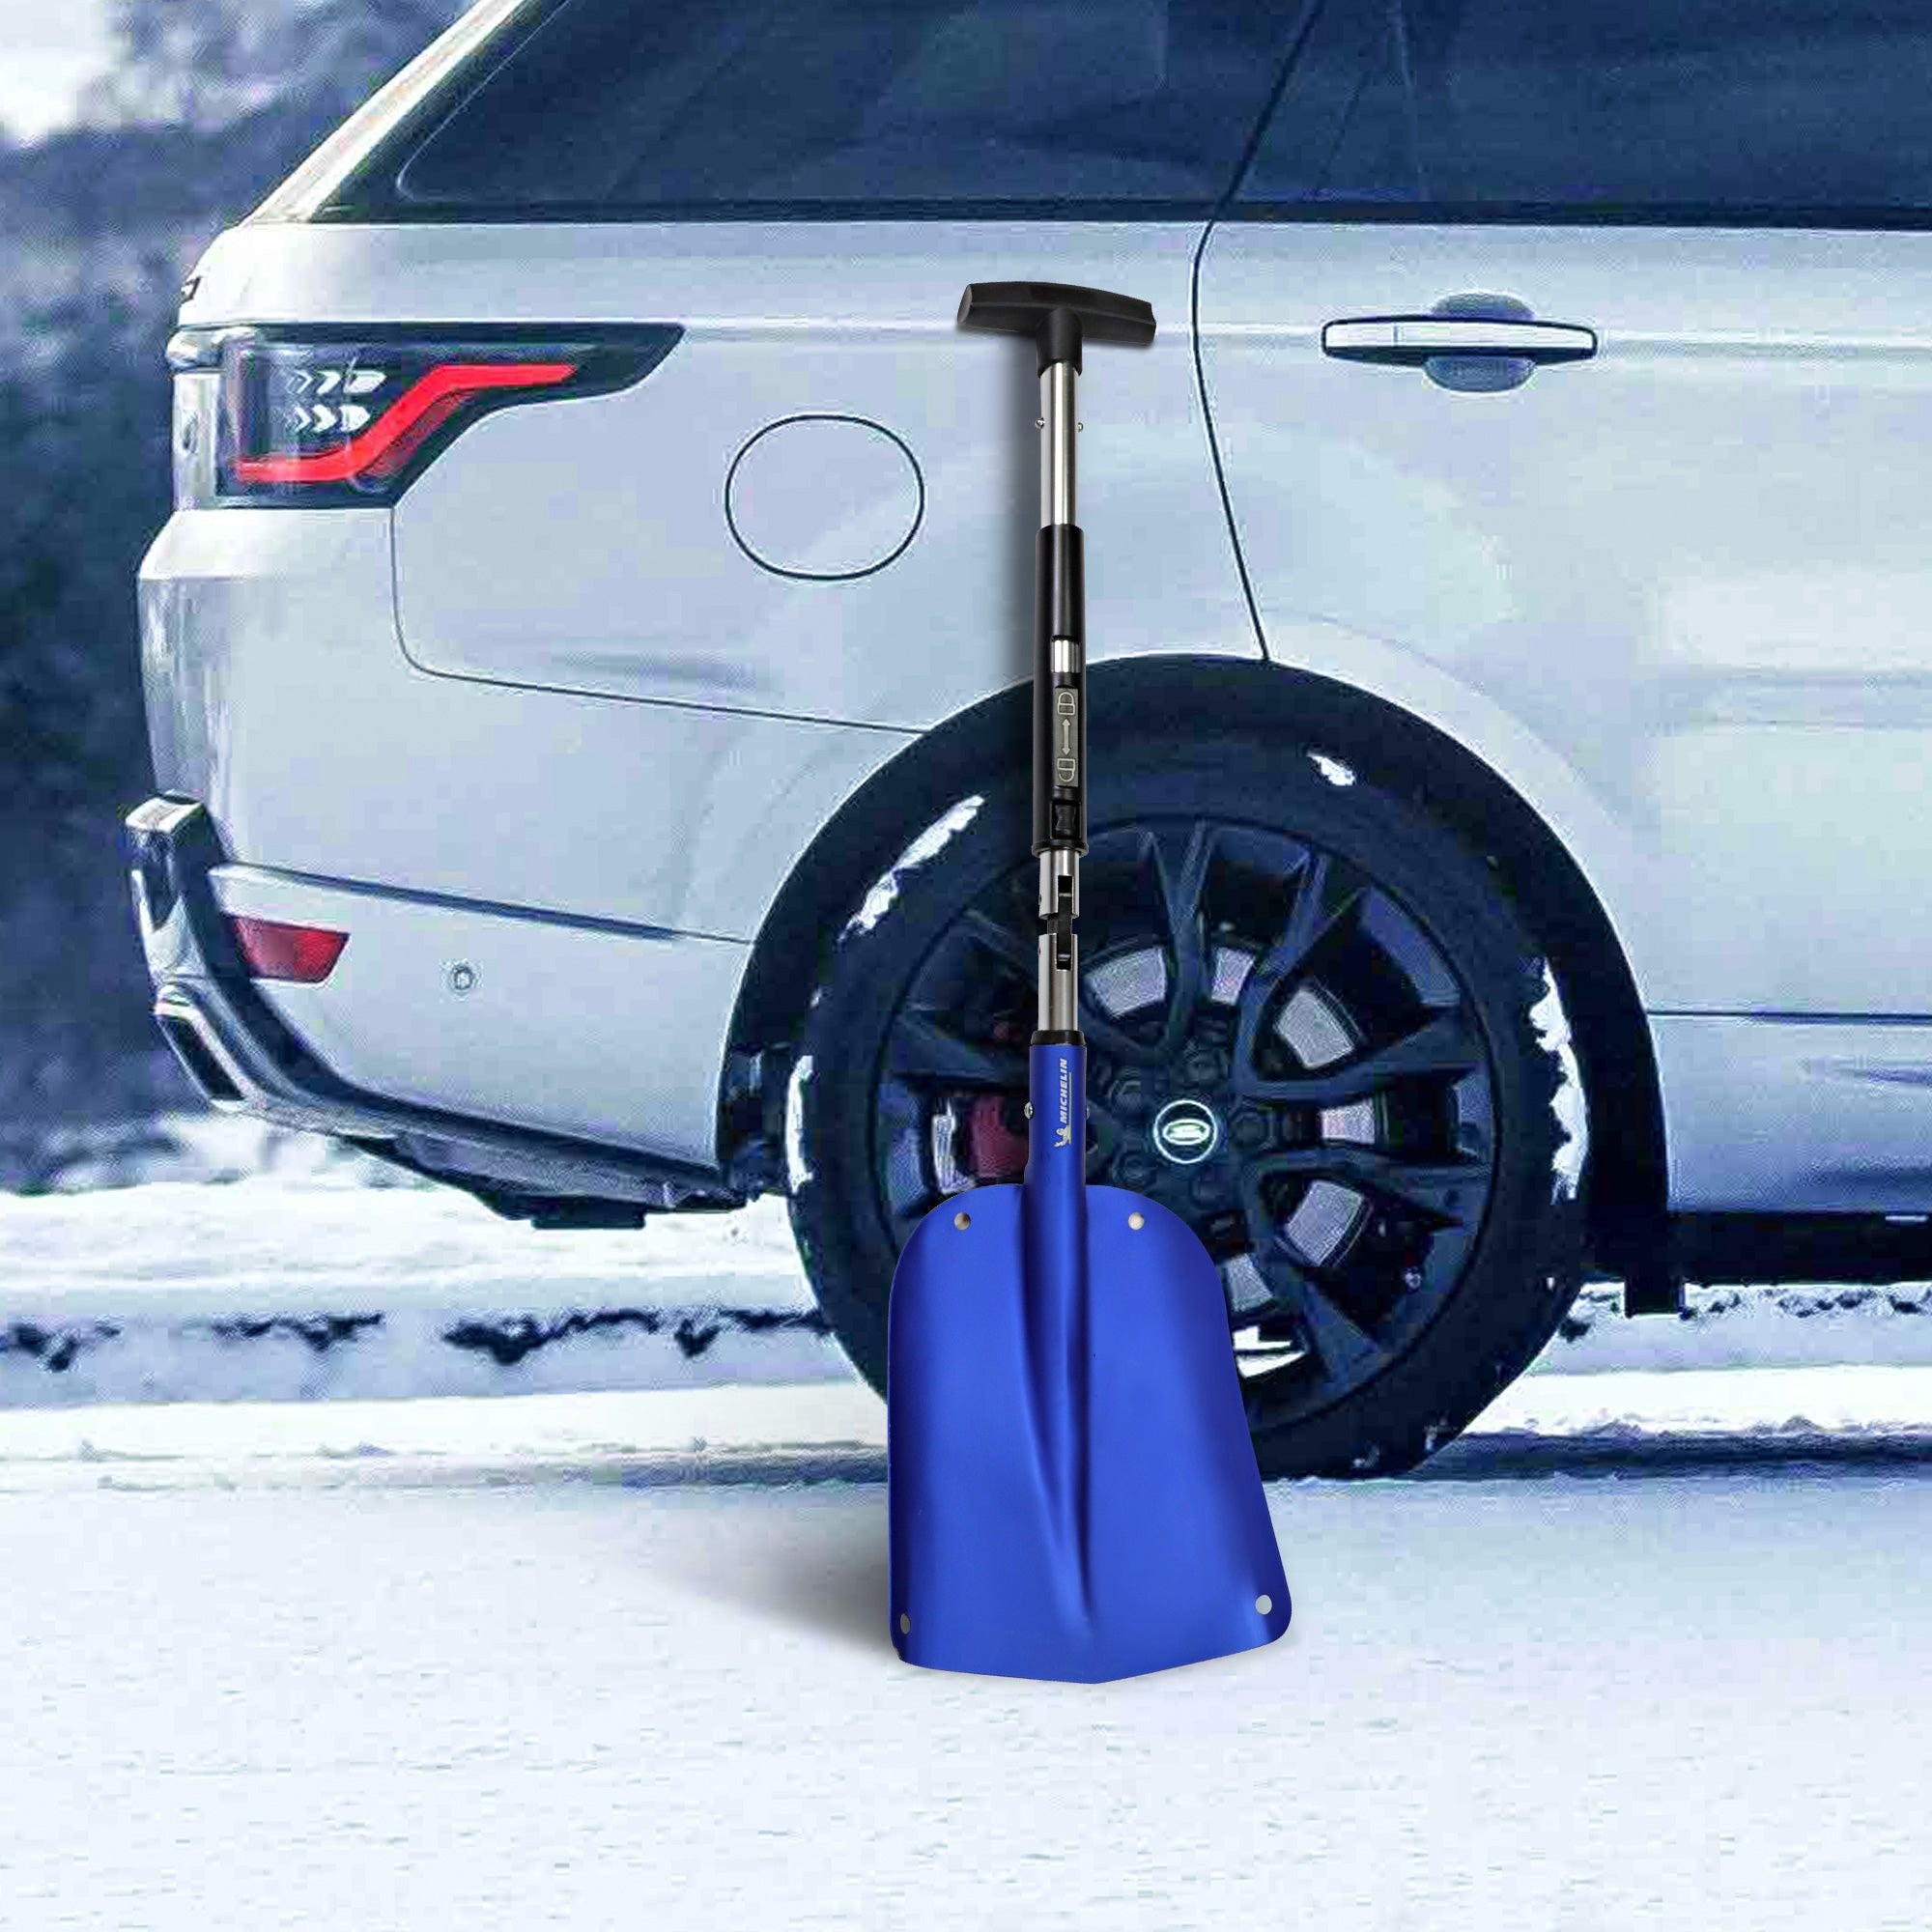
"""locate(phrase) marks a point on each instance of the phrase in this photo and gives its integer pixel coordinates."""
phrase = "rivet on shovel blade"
(905, 1625)
(962, 1219)
(1263, 1604)
(1137, 1220)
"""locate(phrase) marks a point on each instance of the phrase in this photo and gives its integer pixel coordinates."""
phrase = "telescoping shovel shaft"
(1072, 1491)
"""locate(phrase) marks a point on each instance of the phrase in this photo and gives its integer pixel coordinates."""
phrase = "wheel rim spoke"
(1180, 855)
(1326, 894)
(1346, 1349)
(1106, 1127)
(1104, 1035)
(1444, 1046)
(1002, 941)
(1442, 1191)
(921, 1047)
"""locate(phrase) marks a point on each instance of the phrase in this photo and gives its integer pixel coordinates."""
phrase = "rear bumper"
(535, 1083)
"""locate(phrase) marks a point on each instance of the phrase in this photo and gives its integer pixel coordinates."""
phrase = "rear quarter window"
(604, 108)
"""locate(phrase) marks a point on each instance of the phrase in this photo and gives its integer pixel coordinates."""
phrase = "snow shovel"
(1071, 1489)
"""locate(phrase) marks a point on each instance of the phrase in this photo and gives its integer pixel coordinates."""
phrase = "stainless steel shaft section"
(1058, 987)
(1059, 868)
(1059, 880)
(1057, 429)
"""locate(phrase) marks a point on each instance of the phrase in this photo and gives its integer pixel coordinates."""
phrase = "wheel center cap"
(1186, 1130)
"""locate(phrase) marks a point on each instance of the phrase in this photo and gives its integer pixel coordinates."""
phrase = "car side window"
(1775, 110)
(839, 107)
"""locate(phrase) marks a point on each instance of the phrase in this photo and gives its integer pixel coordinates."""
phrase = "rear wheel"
(1316, 1028)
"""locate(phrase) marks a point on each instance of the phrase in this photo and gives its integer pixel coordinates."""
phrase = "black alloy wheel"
(1315, 1028)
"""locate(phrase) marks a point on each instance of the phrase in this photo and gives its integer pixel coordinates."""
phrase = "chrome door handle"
(1411, 341)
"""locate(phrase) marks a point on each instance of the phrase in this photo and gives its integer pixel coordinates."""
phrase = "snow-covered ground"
(269, 1266)
(299, 1288)
(1640, 1649)
(1646, 1421)
(504, 1663)
(272, 1287)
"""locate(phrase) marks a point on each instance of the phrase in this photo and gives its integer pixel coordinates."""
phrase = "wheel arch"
(1626, 1188)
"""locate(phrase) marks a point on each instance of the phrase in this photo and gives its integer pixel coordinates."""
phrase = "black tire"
(1446, 1281)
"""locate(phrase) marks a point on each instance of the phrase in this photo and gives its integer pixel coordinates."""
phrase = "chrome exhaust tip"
(198, 1047)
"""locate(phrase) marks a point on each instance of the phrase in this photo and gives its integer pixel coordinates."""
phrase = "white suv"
(587, 665)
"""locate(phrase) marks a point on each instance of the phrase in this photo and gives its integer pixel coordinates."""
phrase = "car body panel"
(1626, 584)
(279, 695)
(584, 544)
(1784, 1116)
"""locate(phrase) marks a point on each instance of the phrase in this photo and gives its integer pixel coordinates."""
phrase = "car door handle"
(1411, 341)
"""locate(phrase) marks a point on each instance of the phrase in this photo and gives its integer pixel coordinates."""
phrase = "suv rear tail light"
(305, 955)
(315, 417)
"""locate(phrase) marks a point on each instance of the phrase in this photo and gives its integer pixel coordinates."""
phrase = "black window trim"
(1572, 214)
(411, 215)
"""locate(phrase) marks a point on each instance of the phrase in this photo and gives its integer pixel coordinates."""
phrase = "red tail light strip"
(416, 415)
(305, 955)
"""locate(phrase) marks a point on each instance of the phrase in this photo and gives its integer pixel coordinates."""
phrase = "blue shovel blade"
(1072, 1491)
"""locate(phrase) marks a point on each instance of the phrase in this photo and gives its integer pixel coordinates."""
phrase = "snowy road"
(502, 1663)
(1646, 1647)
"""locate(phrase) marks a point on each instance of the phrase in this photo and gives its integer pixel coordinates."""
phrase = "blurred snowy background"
(132, 132)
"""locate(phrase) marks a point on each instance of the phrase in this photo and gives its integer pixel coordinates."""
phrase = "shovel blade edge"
(1079, 1513)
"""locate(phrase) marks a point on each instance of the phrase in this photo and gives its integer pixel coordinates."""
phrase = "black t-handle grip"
(1057, 316)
